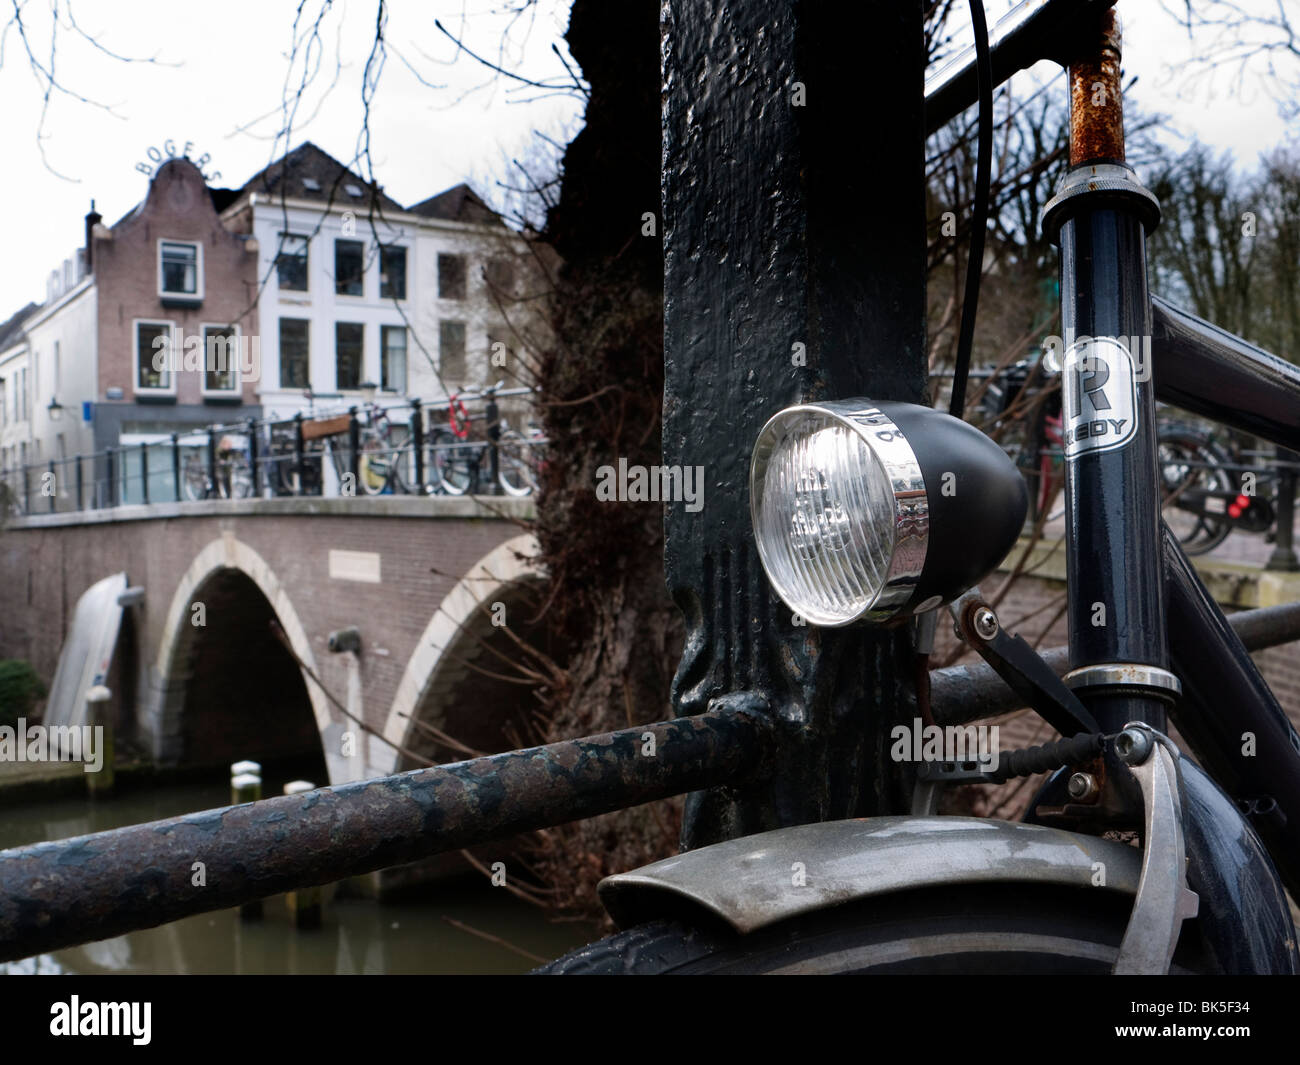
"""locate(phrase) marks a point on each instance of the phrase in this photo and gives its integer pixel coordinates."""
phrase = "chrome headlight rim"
(909, 521)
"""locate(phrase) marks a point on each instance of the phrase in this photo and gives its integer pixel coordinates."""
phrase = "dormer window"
(180, 271)
(353, 190)
(311, 184)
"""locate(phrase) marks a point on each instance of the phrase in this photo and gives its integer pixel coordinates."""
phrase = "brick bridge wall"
(415, 574)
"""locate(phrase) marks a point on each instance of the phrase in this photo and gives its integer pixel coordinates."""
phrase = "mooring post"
(246, 786)
(305, 903)
(793, 271)
(99, 717)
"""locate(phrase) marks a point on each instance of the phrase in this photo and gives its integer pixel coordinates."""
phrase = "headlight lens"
(839, 512)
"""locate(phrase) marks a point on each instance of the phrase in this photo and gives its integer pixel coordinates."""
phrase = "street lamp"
(368, 390)
(55, 410)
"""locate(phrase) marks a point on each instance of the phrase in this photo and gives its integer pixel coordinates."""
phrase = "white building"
(17, 438)
(60, 335)
(409, 300)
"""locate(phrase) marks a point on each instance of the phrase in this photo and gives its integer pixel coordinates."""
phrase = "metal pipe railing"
(92, 887)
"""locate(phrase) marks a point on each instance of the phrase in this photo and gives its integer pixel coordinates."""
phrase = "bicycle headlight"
(863, 511)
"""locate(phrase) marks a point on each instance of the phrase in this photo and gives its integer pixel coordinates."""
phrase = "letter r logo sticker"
(1090, 379)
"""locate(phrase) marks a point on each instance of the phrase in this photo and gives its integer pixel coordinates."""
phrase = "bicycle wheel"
(1191, 462)
(195, 479)
(973, 930)
(239, 477)
(373, 467)
(515, 471)
(451, 468)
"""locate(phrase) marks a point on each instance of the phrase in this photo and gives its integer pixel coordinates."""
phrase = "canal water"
(358, 935)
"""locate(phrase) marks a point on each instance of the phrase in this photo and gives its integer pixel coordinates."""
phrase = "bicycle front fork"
(1099, 218)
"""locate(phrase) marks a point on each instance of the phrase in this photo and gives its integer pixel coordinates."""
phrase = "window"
(4, 404)
(349, 352)
(220, 360)
(349, 267)
(392, 368)
(293, 352)
(179, 269)
(451, 277)
(291, 263)
(58, 372)
(451, 352)
(392, 273)
(500, 276)
(153, 357)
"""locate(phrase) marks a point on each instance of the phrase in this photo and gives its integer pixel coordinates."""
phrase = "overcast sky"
(231, 62)
(221, 66)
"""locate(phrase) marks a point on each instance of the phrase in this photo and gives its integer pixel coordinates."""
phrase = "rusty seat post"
(1096, 96)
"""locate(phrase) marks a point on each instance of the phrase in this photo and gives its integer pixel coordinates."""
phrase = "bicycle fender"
(758, 880)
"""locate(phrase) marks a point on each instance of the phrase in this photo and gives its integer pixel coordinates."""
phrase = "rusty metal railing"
(92, 887)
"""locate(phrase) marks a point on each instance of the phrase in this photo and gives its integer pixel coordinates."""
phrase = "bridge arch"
(436, 667)
(226, 566)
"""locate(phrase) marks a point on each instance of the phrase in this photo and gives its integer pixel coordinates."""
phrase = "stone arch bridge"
(199, 674)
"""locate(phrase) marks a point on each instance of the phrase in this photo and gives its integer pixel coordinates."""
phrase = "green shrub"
(20, 687)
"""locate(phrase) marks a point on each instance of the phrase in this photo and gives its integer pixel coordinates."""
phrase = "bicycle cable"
(980, 211)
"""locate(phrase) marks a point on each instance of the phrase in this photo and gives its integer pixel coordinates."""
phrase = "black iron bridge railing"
(411, 447)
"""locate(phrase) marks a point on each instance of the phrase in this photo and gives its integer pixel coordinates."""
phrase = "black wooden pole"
(354, 449)
(794, 268)
(417, 442)
(298, 447)
(213, 491)
(176, 466)
(254, 469)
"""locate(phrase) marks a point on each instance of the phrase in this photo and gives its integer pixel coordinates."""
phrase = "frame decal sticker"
(1098, 396)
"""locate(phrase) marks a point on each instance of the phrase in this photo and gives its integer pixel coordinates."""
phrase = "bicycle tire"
(450, 467)
(1002, 929)
(240, 477)
(514, 471)
(195, 480)
(373, 470)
